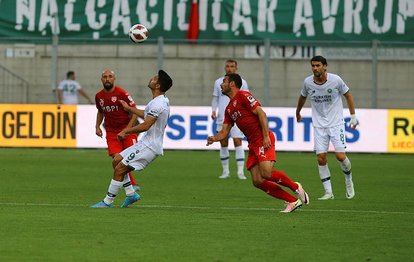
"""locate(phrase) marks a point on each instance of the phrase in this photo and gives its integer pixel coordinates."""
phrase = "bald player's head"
(108, 79)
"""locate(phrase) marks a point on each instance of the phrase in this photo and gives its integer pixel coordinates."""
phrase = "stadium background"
(186, 213)
(368, 43)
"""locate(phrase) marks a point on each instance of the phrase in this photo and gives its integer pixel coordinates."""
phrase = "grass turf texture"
(188, 214)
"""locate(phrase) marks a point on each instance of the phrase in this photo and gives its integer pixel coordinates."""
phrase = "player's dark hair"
(319, 58)
(236, 79)
(164, 80)
(231, 61)
(69, 74)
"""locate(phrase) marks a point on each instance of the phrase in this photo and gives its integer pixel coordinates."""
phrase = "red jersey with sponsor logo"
(115, 117)
(240, 111)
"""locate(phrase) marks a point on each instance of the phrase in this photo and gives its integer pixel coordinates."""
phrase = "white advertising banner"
(189, 127)
(85, 128)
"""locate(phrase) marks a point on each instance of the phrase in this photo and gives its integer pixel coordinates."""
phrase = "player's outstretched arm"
(99, 119)
(214, 105)
(301, 103)
(351, 106)
(264, 125)
(85, 95)
(131, 109)
(224, 132)
(142, 127)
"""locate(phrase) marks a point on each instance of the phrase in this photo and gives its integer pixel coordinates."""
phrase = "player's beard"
(108, 86)
(317, 74)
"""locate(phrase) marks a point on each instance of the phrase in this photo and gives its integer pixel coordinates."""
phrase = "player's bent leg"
(325, 175)
(120, 171)
(116, 159)
(274, 190)
(113, 190)
(257, 179)
(346, 167)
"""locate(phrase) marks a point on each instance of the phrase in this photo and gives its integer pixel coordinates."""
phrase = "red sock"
(276, 191)
(133, 182)
(281, 178)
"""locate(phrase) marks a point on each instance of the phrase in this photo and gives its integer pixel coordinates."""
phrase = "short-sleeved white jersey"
(159, 107)
(326, 100)
(70, 90)
(223, 100)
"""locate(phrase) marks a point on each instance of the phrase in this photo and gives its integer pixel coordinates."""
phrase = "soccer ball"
(138, 33)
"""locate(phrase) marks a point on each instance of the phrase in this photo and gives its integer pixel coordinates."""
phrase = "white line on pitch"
(220, 208)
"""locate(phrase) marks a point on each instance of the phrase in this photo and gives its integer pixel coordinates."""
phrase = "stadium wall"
(194, 69)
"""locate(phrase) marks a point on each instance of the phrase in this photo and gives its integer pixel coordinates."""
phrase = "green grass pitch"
(188, 214)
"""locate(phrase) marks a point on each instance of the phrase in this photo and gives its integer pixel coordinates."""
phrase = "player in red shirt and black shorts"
(245, 111)
(114, 116)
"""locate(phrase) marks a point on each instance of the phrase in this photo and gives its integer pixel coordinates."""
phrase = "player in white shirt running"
(148, 148)
(68, 90)
(325, 91)
(218, 105)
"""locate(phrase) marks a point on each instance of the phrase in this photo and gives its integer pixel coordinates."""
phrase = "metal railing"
(13, 88)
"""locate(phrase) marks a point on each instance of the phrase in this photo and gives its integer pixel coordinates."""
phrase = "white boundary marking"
(221, 208)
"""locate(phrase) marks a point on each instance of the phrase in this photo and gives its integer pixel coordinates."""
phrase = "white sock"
(129, 190)
(112, 191)
(240, 159)
(346, 168)
(224, 157)
(325, 176)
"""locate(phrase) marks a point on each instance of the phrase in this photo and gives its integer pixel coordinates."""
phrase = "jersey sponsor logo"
(113, 99)
(252, 100)
(108, 109)
(235, 115)
(322, 99)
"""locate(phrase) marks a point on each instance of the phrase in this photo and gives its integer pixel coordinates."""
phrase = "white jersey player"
(325, 91)
(68, 90)
(159, 109)
(218, 106)
(148, 148)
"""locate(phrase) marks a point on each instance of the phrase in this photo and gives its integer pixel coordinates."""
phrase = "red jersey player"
(245, 111)
(115, 118)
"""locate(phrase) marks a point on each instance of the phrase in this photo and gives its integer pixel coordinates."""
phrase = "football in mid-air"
(138, 33)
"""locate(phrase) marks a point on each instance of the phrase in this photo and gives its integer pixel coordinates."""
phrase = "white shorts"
(235, 132)
(335, 135)
(137, 156)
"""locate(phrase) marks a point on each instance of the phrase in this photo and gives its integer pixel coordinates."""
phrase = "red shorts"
(116, 146)
(258, 154)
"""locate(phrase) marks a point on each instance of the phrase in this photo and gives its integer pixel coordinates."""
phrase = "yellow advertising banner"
(24, 125)
(401, 131)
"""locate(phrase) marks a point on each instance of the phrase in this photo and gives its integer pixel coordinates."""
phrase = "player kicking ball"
(148, 148)
(245, 111)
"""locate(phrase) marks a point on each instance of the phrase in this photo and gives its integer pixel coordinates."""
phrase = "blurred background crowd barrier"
(380, 75)
(370, 44)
